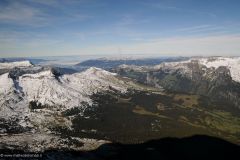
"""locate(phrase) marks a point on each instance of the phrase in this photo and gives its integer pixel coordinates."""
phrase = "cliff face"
(190, 77)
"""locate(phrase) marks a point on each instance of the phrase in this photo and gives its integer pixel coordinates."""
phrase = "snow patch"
(6, 84)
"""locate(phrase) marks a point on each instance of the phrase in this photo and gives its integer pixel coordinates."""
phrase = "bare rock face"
(190, 77)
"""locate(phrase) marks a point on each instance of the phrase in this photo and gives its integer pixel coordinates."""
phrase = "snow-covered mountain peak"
(97, 71)
(9, 65)
(51, 90)
(68, 90)
(42, 74)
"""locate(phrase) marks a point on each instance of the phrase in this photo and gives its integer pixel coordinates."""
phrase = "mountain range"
(44, 107)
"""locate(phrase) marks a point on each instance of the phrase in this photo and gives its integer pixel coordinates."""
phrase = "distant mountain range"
(108, 63)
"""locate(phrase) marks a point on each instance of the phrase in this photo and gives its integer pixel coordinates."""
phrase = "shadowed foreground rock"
(196, 147)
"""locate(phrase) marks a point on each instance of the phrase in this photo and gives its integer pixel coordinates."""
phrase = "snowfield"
(6, 83)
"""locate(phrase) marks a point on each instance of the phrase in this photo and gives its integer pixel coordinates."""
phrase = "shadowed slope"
(196, 147)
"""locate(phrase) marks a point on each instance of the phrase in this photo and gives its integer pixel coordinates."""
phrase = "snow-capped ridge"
(68, 90)
(96, 71)
(51, 72)
(232, 63)
(45, 73)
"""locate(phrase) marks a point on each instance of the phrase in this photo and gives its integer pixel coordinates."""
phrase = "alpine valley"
(119, 101)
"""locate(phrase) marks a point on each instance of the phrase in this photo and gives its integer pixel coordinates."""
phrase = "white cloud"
(22, 14)
(36, 13)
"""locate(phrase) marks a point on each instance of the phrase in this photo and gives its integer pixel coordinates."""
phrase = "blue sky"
(102, 27)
